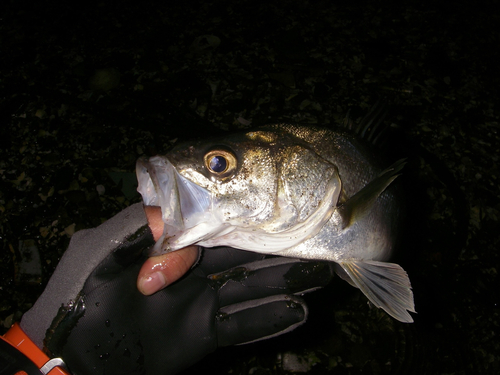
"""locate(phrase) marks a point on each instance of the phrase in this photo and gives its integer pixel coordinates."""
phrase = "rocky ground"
(87, 88)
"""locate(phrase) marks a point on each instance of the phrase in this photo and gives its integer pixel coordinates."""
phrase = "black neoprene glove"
(230, 297)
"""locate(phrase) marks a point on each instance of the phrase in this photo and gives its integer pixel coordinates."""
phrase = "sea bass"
(289, 190)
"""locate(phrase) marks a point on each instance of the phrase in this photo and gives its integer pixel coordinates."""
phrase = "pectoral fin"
(360, 204)
(386, 285)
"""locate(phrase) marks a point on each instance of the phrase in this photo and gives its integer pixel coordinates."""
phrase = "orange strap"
(17, 338)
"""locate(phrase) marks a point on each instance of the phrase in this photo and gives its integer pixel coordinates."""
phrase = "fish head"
(262, 191)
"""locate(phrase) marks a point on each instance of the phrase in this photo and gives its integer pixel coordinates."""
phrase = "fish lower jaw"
(203, 234)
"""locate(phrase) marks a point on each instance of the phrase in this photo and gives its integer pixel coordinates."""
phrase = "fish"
(289, 190)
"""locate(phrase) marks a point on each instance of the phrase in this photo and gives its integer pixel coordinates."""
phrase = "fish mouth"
(185, 206)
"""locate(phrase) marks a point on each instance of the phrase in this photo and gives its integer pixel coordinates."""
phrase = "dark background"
(88, 87)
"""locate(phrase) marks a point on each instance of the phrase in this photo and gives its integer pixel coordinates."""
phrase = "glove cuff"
(16, 337)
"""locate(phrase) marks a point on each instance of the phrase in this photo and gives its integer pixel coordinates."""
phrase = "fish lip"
(184, 204)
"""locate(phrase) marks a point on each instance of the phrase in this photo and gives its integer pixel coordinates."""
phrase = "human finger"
(158, 272)
(153, 214)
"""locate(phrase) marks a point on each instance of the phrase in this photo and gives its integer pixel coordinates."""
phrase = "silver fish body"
(287, 190)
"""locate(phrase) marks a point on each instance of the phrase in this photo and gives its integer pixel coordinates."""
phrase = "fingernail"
(152, 283)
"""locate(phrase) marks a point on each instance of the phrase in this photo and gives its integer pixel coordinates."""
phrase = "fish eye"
(220, 162)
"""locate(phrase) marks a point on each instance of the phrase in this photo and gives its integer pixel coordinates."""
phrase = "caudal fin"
(386, 285)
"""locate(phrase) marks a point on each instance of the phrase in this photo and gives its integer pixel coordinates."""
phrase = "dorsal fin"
(370, 127)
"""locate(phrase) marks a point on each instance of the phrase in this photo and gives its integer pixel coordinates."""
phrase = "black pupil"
(218, 164)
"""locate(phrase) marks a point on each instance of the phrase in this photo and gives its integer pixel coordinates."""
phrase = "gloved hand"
(229, 297)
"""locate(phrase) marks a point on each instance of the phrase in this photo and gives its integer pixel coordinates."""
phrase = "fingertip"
(158, 272)
(152, 283)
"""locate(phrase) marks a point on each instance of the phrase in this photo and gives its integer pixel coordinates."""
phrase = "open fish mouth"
(186, 207)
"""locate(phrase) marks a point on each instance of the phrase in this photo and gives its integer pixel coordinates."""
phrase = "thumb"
(158, 272)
